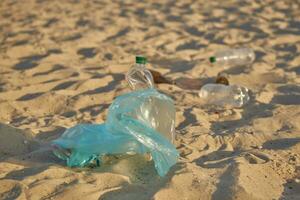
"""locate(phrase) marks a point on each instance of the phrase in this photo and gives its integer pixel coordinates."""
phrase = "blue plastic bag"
(132, 126)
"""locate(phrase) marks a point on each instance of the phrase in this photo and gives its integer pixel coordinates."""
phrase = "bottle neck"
(140, 65)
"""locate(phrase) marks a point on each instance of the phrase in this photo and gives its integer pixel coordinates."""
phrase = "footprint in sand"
(87, 52)
(12, 190)
(256, 158)
(55, 67)
(30, 62)
(30, 96)
(64, 85)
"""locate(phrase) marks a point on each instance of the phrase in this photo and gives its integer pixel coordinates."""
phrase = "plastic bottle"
(139, 122)
(139, 77)
(233, 57)
(224, 95)
(153, 111)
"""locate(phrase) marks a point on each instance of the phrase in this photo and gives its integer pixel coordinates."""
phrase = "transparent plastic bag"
(132, 126)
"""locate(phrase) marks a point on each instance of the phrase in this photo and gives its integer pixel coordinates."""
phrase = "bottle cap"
(212, 59)
(140, 60)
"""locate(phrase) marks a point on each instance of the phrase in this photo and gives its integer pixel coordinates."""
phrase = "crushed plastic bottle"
(224, 95)
(233, 57)
(139, 77)
(139, 122)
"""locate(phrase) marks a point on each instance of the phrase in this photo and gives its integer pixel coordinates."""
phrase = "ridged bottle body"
(139, 77)
(233, 57)
(224, 95)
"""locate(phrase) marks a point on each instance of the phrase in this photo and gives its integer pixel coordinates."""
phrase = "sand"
(63, 63)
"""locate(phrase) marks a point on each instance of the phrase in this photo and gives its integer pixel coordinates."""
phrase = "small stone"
(292, 158)
(148, 157)
(278, 164)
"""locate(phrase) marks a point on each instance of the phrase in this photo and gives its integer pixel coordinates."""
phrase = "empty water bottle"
(139, 77)
(233, 57)
(154, 111)
(224, 95)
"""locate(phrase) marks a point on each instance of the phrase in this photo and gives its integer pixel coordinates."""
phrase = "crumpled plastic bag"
(138, 122)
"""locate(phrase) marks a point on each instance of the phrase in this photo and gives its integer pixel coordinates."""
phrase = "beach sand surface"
(63, 63)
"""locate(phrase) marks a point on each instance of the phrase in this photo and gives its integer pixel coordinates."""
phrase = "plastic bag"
(132, 126)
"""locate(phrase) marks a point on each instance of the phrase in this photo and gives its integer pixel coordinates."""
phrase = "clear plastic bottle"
(139, 122)
(224, 95)
(138, 76)
(157, 113)
(233, 57)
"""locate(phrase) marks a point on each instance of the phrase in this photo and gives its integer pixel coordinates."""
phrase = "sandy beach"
(63, 63)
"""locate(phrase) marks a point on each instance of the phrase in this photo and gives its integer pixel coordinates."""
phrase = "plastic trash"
(139, 77)
(233, 57)
(222, 79)
(138, 122)
(159, 78)
(224, 95)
